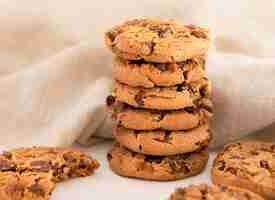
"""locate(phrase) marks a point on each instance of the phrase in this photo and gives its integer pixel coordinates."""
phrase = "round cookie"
(26, 186)
(144, 119)
(148, 75)
(163, 143)
(213, 192)
(249, 165)
(163, 98)
(160, 41)
(159, 168)
(63, 163)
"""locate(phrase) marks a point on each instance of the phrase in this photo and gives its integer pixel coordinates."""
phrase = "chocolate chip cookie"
(148, 75)
(163, 98)
(62, 163)
(163, 143)
(26, 186)
(144, 119)
(214, 192)
(160, 41)
(159, 168)
(249, 165)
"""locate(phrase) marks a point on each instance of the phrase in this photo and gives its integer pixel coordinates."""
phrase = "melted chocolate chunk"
(264, 164)
(189, 109)
(109, 156)
(161, 66)
(136, 62)
(7, 155)
(6, 165)
(151, 46)
(40, 166)
(139, 99)
(155, 159)
(222, 165)
(110, 100)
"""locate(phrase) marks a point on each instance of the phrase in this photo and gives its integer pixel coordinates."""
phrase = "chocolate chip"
(83, 164)
(222, 165)
(69, 158)
(254, 153)
(37, 189)
(137, 62)
(189, 109)
(161, 66)
(139, 100)
(151, 46)
(109, 156)
(155, 159)
(159, 115)
(111, 36)
(167, 135)
(40, 166)
(181, 88)
(6, 165)
(264, 164)
(7, 154)
(232, 170)
(110, 100)
(140, 147)
(178, 165)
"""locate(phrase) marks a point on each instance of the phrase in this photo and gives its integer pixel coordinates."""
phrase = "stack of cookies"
(160, 99)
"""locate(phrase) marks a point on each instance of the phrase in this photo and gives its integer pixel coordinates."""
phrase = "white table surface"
(106, 185)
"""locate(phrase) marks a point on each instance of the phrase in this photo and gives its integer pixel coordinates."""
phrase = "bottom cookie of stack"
(159, 168)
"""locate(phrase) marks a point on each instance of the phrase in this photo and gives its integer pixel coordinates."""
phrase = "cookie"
(144, 119)
(213, 192)
(249, 165)
(163, 143)
(62, 163)
(160, 41)
(148, 75)
(163, 98)
(159, 168)
(30, 186)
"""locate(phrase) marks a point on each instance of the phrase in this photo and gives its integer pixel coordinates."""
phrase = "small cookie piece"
(148, 75)
(62, 163)
(159, 168)
(214, 192)
(163, 143)
(144, 119)
(249, 165)
(160, 41)
(26, 186)
(163, 98)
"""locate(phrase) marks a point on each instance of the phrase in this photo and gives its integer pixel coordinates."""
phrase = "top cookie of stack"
(160, 97)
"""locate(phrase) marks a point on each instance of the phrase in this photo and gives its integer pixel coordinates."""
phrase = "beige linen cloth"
(55, 71)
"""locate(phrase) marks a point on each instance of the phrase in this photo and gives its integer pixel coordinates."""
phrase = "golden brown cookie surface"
(249, 165)
(148, 75)
(158, 168)
(214, 192)
(158, 41)
(144, 119)
(26, 186)
(163, 143)
(62, 163)
(163, 98)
